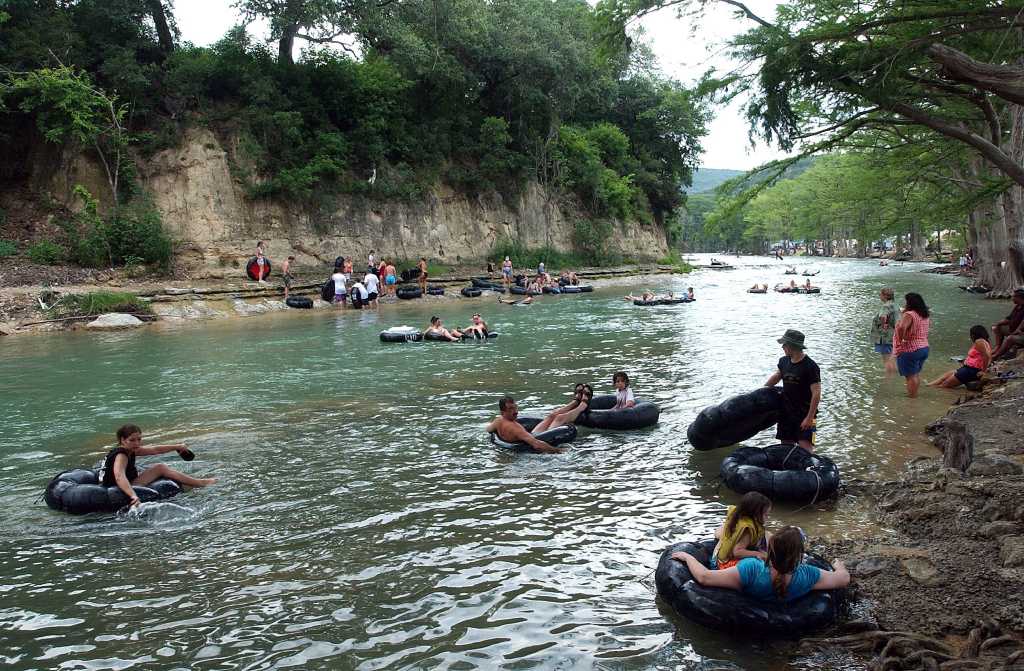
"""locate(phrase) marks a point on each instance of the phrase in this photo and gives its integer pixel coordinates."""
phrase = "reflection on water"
(362, 521)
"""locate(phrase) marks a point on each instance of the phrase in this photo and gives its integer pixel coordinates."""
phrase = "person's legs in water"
(163, 471)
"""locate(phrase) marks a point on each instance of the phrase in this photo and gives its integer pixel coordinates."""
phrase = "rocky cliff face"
(206, 208)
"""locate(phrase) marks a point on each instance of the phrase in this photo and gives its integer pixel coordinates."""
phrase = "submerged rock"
(1011, 551)
(114, 320)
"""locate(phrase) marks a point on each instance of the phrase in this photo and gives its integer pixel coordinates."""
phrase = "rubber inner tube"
(782, 473)
(812, 290)
(79, 492)
(551, 290)
(757, 291)
(736, 419)
(785, 290)
(251, 268)
(301, 302)
(327, 291)
(599, 414)
(410, 274)
(471, 292)
(732, 611)
(557, 436)
(409, 292)
(435, 291)
(671, 301)
(646, 304)
(520, 291)
(485, 283)
(585, 288)
(401, 334)
(569, 289)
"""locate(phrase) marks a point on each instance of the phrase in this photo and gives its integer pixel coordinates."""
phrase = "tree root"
(903, 650)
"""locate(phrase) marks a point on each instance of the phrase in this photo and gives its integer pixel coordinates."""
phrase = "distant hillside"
(706, 179)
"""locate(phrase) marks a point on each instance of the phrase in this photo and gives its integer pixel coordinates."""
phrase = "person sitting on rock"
(978, 359)
(1009, 332)
(781, 576)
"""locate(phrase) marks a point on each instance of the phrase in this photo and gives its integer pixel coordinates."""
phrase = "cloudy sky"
(683, 50)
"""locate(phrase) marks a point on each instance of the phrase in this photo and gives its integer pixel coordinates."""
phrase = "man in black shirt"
(801, 392)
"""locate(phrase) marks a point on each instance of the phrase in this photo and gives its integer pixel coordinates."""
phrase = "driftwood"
(958, 452)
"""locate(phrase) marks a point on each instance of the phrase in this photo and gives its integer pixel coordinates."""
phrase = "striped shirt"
(917, 335)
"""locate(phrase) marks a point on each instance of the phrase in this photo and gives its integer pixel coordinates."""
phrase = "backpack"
(327, 290)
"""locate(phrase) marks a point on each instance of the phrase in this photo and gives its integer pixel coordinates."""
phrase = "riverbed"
(361, 519)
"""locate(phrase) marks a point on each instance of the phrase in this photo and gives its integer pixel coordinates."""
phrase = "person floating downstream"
(977, 361)
(801, 392)
(119, 465)
(478, 328)
(510, 431)
(782, 575)
(910, 341)
(883, 324)
(436, 328)
(623, 394)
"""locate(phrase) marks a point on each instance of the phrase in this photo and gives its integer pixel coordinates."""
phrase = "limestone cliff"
(206, 209)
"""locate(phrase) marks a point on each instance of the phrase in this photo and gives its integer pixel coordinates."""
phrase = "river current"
(362, 521)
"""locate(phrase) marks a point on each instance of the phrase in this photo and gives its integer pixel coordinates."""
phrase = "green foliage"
(526, 258)
(676, 261)
(7, 248)
(98, 303)
(133, 232)
(45, 253)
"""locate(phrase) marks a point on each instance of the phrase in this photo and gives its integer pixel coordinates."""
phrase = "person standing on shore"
(506, 273)
(286, 275)
(422, 265)
(910, 341)
(372, 289)
(371, 263)
(261, 263)
(883, 325)
(340, 291)
(801, 392)
(390, 278)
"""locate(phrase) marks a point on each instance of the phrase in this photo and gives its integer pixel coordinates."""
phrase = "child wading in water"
(119, 465)
(742, 530)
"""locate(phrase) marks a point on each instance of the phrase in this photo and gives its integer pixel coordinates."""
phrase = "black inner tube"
(736, 419)
(554, 437)
(730, 610)
(782, 473)
(599, 414)
(79, 492)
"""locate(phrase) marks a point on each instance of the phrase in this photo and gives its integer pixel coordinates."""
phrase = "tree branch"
(1006, 81)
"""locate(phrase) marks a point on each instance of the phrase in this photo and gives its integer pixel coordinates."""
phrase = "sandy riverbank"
(943, 588)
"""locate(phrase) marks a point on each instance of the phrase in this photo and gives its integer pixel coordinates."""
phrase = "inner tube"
(410, 274)
(782, 473)
(782, 289)
(557, 436)
(401, 334)
(736, 419)
(807, 274)
(569, 289)
(520, 291)
(409, 292)
(252, 266)
(301, 302)
(731, 610)
(790, 272)
(485, 283)
(551, 290)
(585, 288)
(599, 414)
(671, 301)
(327, 291)
(645, 303)
(812, 290)
(79, 492)
(471, 292)
(757, 291)
(491, 335)
(435, 291)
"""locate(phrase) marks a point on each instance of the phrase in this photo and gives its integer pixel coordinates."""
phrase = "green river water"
(362, 521)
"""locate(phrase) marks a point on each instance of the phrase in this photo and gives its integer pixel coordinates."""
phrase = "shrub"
(135, 231)
(45, 253)
(98, 303)
(7, 248)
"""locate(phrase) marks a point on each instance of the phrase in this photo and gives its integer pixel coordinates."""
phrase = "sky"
(684, 51)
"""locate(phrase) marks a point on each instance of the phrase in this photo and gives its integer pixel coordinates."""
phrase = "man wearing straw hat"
(801, 392)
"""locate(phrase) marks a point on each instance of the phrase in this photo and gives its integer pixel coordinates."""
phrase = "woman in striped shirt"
(910, 341)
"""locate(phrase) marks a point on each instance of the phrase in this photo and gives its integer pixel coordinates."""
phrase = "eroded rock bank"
(944, 588)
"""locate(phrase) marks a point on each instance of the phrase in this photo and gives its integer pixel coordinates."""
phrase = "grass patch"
(433, 269)
(98, 303)
(675, 260)
(7, 248)
(523, 257)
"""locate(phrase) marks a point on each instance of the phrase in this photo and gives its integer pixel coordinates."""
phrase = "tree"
(316, 21)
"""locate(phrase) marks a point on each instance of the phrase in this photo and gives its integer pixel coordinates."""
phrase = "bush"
(134, 232)
(675, 260)
(7, 248)
(98, 303)
(525, 257)
(45, 253)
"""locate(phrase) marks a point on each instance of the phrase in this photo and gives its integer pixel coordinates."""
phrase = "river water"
(361, 520)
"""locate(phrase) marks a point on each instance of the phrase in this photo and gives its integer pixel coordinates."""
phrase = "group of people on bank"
(901, 338)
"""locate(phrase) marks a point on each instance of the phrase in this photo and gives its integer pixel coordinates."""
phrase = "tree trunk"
(1006, 81)
(1012, 206)
(163, 30)
(286, 44)
(916, 240)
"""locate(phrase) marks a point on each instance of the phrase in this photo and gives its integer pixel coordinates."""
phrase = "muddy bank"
(944, 587)
(23, 294)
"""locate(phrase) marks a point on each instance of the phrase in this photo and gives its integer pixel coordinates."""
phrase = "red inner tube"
(252, 268)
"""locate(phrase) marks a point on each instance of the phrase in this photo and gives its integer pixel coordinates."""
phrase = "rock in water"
(114, 320)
